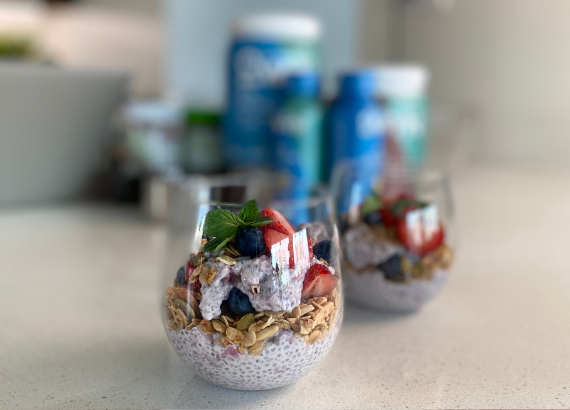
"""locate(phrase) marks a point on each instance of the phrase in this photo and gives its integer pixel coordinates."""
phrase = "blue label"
(255, 71)
(357, 138)
(357, 133)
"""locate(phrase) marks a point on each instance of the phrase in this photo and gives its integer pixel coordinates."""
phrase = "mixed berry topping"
(279, 224)
(323, 250)
(250, 242)
(319, 281)
(373, 218)
(392, 269)
(239, 303)
(403, 238)
(180, 276)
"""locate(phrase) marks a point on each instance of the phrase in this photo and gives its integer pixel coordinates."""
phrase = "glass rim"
(317, 196)
(415, 173)
(263, 180)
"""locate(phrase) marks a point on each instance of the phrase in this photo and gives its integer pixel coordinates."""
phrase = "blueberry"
(239, 302)
(181, 276)
(225, 308)
(250, 242)
(323, 250)
(392, 269)
(373, 218)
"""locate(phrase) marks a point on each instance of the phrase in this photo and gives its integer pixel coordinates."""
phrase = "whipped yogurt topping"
(278, 290)
(216, 292)
(362, 248)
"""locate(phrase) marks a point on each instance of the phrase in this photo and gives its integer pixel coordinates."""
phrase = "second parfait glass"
(396, 235)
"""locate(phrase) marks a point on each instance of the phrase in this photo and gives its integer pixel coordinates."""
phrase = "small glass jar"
(251, 302)
(153, 133)
(396, 236)
(200, 147)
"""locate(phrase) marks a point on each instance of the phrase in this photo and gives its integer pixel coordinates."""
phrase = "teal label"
(297, 133)
(408, 118)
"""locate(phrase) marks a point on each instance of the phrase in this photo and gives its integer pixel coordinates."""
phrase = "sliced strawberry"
(272, 237)
(311, 253)
(319, 281)
(387, 218)
(279, 224)
(189, 269)
(403, 205)
(196, 286)
(419, 239)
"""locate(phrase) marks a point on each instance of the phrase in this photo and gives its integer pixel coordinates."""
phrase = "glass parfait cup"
(251, 302)
(396, 235)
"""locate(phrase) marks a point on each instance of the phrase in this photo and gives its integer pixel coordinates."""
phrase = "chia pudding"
(396, 257)
(259, 305)
(284, 359)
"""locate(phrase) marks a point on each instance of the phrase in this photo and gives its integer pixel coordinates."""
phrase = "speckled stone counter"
(80, 322)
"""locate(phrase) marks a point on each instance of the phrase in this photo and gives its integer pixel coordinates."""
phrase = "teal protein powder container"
(403, 88)
(297, 126)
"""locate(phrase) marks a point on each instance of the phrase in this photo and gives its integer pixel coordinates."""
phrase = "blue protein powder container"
(265, 50)
(297, 126)
(356, 136)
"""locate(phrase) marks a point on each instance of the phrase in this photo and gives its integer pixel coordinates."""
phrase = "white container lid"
(401, 80)
(278, 26)
(153, 113)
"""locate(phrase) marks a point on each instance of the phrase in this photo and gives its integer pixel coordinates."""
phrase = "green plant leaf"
(261, 220)
(212, 245)
(248, 215)
(252, 203)
(372, 203)
(224, 243)
(220, 223)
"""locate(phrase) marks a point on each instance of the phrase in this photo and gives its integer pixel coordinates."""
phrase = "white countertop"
(80, 325)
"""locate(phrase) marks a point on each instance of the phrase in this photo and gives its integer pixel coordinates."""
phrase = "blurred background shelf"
(499, 68)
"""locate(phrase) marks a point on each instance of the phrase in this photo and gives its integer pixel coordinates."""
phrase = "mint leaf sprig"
(371, 204)
(223, 225)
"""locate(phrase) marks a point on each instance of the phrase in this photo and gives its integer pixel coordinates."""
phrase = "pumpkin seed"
(184, 307)
(245, 321)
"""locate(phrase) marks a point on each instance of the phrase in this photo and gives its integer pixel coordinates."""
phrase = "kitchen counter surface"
(80, 325)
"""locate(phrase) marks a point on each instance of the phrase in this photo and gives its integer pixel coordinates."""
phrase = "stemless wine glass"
(396, 235)
(251, 303)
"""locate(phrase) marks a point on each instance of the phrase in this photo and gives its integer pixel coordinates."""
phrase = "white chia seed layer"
(277, 292)
(283, 360)
(370, 289)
